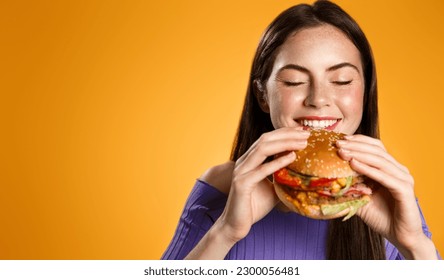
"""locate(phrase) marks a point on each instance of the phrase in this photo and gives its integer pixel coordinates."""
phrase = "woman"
(313, 69)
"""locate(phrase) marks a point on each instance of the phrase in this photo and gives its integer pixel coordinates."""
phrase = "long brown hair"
(346, 240)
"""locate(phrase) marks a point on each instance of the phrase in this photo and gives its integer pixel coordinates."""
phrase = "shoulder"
(219, 176)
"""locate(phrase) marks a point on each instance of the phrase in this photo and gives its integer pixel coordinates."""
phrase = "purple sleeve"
(205, 204)
(202, 208)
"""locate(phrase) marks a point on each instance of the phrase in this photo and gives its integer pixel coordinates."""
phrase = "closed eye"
(342, 83)
(292, 84)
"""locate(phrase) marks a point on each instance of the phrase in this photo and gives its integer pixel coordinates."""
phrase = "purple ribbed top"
(278, 235)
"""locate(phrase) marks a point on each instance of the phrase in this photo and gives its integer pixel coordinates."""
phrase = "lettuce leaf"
(336, 208)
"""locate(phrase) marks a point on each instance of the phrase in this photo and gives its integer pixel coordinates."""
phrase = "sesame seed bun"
(320, 158)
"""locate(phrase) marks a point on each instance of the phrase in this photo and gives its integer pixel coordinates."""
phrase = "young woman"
(313, 69)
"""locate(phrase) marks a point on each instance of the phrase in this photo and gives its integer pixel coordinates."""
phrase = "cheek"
(282, 106)
(277, 109)
(351, 104)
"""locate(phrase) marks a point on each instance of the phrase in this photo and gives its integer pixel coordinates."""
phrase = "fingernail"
(346, 154)
(348, 137)
(341, 143)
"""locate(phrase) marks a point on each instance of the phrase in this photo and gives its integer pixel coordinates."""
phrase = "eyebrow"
(329, 69)
(294, 67)
(341, 65)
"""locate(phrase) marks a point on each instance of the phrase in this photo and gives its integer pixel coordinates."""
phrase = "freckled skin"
(317, 92)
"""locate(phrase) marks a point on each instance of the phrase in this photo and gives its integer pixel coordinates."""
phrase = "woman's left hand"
(393, 211)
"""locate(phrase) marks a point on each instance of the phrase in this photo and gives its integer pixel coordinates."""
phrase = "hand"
(251, 194)
(393, 211)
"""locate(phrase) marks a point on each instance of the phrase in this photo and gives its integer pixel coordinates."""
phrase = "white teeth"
(315, 124)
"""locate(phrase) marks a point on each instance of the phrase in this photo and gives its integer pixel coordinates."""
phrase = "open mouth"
(329, 124)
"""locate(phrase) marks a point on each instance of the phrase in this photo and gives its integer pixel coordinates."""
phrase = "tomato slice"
(282, 176)
(285, 177)
(321, 182)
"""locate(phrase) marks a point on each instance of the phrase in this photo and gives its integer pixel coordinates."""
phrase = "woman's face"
(317, 81)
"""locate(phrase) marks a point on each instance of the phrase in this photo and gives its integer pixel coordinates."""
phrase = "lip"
(319, 118)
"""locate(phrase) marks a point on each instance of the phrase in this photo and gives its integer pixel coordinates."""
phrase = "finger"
(370, 149)
(369, 145)
(281, 133)
(373, 160)
(394, 185)
(365, 139)
(261, 172)
(269, 146)
(265, 150)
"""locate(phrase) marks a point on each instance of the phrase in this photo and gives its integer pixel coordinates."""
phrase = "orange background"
(111, 109)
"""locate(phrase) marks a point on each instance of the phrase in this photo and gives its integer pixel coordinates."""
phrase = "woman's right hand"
(252, 195)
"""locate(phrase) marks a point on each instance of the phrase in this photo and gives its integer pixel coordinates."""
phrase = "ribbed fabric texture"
(278, 235)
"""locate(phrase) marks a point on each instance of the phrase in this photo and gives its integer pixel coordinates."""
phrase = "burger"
(319, 184)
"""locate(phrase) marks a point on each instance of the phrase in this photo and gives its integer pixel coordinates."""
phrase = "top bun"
(320, 158)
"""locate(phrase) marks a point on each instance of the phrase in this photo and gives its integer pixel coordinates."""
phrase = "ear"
(261, 95)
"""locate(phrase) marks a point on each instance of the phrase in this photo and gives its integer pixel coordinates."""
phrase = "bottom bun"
(311, 205)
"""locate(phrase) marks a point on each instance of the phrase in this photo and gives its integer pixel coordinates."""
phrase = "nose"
(318, 96)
